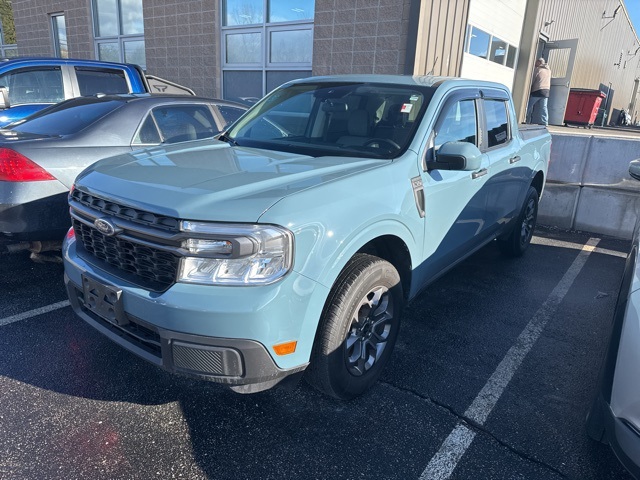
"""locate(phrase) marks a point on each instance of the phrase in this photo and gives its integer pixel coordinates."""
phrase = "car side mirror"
(634, 169)
(457, 156)
(4, 98)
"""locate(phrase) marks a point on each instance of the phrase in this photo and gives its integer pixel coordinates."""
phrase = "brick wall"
(182, 42)
(33, 29)
(360, 36)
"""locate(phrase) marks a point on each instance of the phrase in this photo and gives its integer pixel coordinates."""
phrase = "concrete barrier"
(589, 187)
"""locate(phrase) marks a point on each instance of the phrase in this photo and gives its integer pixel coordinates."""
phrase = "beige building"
(589, 44)
(241, 49)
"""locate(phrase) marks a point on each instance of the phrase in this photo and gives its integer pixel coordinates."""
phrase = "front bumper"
(223, 334)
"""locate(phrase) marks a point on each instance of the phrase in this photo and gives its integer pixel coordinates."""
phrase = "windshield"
(66, 118)
(347, 119)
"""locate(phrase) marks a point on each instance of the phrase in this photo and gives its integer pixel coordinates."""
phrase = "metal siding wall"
(441, 36)
(600, 43)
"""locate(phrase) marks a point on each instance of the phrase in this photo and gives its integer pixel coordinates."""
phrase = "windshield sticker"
(406, 108)
(414, 98)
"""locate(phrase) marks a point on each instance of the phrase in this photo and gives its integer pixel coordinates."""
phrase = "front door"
(560, 56)
(455, 200)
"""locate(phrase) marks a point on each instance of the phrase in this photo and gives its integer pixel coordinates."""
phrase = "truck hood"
(212, 181)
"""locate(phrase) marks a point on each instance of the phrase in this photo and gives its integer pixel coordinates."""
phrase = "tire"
(354, 341)
(519, 239)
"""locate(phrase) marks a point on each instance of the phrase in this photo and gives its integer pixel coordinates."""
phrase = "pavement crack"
(476, 427)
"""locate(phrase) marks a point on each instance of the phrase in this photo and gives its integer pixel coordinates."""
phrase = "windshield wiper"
(225, 138)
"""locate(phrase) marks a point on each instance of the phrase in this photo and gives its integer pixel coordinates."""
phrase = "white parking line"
(456, 444)
(33, 313)
(551, 242)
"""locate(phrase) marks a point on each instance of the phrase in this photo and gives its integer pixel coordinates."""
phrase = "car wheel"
(358, 328)
(520, 237)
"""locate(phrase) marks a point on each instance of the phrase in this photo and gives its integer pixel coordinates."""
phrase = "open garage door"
(560, 56)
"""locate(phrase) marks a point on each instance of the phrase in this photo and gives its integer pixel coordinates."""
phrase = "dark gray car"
(41, 155)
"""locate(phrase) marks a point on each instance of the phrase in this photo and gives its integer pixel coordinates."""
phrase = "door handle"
(515, 159)
(480, 173)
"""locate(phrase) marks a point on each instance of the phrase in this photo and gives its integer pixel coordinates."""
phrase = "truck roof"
(418, 80)
(38, 61)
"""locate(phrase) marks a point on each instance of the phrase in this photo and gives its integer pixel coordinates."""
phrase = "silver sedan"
(41, 155)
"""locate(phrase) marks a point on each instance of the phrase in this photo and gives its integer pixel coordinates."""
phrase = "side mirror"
(634, 169)
(457, 156)
(4, 98)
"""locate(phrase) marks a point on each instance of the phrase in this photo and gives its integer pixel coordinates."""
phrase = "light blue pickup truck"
(293, 242)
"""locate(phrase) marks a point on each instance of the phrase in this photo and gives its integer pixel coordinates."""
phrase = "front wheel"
(358, 328)
(520, 237)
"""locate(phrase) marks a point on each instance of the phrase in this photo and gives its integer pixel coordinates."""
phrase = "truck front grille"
(145, 248)
(145, 262)
(127, 213)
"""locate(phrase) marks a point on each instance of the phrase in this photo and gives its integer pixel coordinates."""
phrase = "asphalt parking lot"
(492, 377)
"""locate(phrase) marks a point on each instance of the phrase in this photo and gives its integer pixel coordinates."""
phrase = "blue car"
(34, 83)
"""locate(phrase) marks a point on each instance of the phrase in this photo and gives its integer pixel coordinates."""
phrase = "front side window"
(119, 31)
(457, 124)
(265, 43)
(497, 122)
(34, 86)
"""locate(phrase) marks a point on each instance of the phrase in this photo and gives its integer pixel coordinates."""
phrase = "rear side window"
(497, 122)
(66, 118)
(180, 123)
(457, 124)
(148, 133)
(34, 85)
(101, 80)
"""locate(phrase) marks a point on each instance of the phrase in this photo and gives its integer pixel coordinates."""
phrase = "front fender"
(350, 245)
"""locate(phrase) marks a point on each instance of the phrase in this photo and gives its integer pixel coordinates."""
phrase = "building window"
(484, 45)
(478, 43)
(119, 31)
(265, 43)
(8, 47)
(59, 30)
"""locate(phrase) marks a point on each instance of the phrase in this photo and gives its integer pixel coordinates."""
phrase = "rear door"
(455, 201)
(502, 146)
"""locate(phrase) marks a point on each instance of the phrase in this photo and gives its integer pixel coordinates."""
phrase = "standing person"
(537, 108)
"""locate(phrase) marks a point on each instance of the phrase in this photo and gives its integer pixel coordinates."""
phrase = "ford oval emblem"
(104, 226)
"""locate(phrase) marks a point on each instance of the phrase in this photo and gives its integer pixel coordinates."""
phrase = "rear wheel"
(520, 237)
(358, 328)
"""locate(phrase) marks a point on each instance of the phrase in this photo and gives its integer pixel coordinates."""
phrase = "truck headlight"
(228, 254)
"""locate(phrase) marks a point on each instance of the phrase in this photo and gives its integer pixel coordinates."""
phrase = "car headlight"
(227, 254)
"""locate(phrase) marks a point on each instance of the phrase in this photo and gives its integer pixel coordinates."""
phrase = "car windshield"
(66, 118)
(345, 119)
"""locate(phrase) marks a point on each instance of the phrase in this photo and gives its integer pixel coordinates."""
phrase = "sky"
(633, 7)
